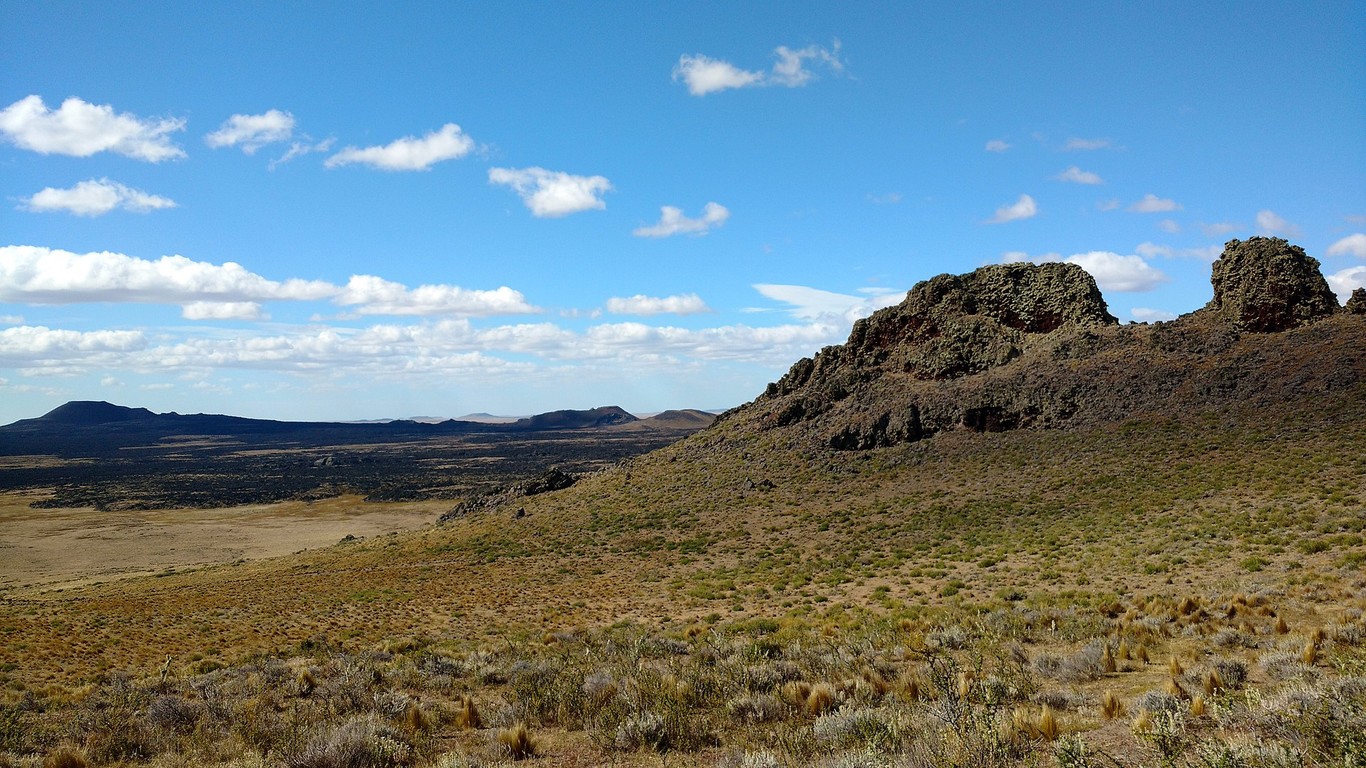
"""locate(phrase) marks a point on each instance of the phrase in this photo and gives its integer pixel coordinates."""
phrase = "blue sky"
(401, 209)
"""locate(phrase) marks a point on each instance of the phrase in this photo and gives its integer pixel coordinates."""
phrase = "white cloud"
(1114, 272)
(372, 295)
(550, 194)
(299, 149)
(38, 275)
(11, 319)
(1078, 176)
(252, 132)
(207, 291)
(81, 129)
(704, 75)
(887, 198)
(1146, 315)
(1218, 228)
(1170, 226)
(1108, 205)
(222, 310)
(408, 153)
(673, 222)
(1087, 145)
(1272, 223)
(1153, 204)
(95, 198)
(1206, 254)
(790, 68)
(1351, 245)
(1024, 208)
(827, 306)
(1346, 281)
(684, 304)
(997, 145)
(28, 345)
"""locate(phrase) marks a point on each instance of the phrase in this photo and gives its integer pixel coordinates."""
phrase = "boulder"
(1265, 285)
(1356, 303)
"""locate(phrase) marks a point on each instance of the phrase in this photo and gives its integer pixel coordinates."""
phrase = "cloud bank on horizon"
(360, 256)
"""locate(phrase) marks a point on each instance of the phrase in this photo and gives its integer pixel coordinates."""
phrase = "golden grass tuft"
(66, 757)
(1141, 653)
(1281, 627)
(876, 681)
(1175, 689)
(1124, 653)
(415, 719)
(1023, 724)
(1317, 635)
(966, 679)
(1198, 706)
(1214, 683)
(821, 699)
(1310, 654)
(1110, 706)
(796, 692)
(1174, 667)
(518, 742)
(1107, 661)
(1143, 722)
(467, 714)
(910, 685)
(1048, 724)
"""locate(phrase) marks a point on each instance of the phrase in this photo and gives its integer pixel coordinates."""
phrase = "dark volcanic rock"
(1265, 284)
(552, 479)
(1356, 303)
(1024, 346)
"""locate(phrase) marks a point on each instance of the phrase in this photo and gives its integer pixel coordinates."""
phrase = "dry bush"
(66, 757)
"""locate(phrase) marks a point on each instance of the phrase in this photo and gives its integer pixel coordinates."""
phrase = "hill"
(993, 528)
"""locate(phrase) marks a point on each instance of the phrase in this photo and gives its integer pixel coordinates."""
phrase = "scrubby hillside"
(993, 528)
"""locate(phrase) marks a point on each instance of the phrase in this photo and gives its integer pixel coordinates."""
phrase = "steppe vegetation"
(868, 566)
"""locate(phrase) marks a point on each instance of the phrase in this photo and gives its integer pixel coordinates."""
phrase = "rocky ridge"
(1034, 346)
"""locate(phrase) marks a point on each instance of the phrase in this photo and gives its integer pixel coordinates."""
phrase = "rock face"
(1356, 303)
(1265, 284)
(1022, 346)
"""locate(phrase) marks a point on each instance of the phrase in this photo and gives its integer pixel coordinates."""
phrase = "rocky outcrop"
(552, 479)
(1356, 303)
(1023, 346)
(1265, 284)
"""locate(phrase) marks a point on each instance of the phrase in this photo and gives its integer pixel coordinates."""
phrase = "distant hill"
(687, 418)
(604, 416)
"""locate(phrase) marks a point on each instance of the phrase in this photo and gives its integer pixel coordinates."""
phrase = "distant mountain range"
(78, 425)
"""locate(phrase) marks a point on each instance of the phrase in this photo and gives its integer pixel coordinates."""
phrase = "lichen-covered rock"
(957, 325)
(1265, 284)
(1356, 303)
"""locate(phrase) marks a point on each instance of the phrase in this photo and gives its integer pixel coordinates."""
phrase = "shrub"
(66, 757)
(642, 730)
(357, 743)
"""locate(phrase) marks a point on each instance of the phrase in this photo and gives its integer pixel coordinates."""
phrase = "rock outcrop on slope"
(1034, 346)
(1265, 284)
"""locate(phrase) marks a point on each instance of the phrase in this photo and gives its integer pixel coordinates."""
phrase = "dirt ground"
(50, 548)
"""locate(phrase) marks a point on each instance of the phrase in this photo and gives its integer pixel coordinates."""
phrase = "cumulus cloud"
(251, 132)
(549, 194)
(95, 197)
(1024, 208)
(28, 346)
(1078, 176)
(408, 153)
(704, 75)
(1346, 281)
(684, 304)
(997, 145)
(372, 295)
(222, 310)
(38, 275)
(1087, 145)
(1170, 226)
(1273, 224)
(1153, 204)
(225, 291)
(673, 222)
(1351, 245)
(1114, 272)
(81, 129)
